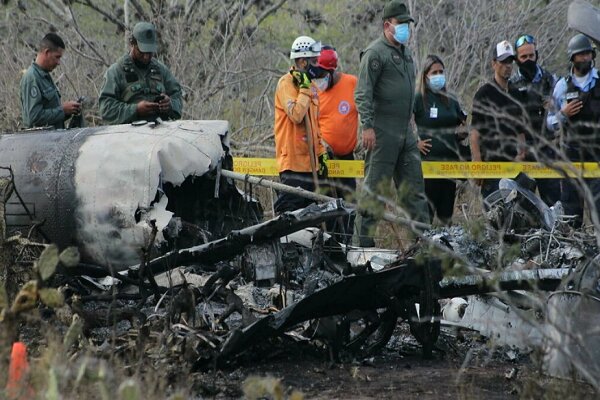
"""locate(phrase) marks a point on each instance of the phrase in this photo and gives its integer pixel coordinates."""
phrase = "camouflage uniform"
(126, 84)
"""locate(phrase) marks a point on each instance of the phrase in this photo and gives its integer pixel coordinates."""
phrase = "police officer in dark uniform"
(138, 86)
(577, 96)
(533, 86)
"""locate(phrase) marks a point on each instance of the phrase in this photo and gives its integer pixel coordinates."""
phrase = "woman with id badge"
(441, 126)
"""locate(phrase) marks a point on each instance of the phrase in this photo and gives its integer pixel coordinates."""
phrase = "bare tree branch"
(104, 13)
(270, 11)
(140, 10)
(87, 56)
(59, 11)
(87, 42)
(126, 12)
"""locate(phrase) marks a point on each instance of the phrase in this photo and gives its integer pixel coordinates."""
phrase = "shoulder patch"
(375, 65)
(33, 92)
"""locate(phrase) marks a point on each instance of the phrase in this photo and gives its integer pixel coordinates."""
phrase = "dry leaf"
(69, 257)
(26, 298)
(74, 331)
(46, 264)
(51, 297)
(129, 390)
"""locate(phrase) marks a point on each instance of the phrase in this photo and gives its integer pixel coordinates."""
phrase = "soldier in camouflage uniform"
(138, 86)
(40, 98)
(384, 98)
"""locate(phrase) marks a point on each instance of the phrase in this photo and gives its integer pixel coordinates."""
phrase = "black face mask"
(583, 66)
(528, 69)
(315, 72)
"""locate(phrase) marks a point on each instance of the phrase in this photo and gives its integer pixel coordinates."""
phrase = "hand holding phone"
(572, 108)
(164, 103)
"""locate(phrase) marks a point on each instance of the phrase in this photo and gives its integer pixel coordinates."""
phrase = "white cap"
(504, 50)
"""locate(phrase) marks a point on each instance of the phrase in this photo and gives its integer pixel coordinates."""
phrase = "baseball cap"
(397, 9)
(145, 35)
(504, 50)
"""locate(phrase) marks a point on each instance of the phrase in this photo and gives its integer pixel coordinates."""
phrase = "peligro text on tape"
(255, 166)
(436, 169)
(496, 170)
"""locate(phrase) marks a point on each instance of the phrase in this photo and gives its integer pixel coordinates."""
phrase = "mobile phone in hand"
(159, 98)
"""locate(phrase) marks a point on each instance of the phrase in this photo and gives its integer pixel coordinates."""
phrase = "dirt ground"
(390, 376)
(398, 372)
(460, 369)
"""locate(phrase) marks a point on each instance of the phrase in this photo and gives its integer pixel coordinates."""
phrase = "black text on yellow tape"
(268, 167)
(435, 169)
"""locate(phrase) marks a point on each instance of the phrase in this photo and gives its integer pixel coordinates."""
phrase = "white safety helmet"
(305, 46)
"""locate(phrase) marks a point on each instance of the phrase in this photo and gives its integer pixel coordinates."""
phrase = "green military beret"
(397, 9)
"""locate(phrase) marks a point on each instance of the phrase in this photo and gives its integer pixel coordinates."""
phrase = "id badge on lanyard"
(433, 112)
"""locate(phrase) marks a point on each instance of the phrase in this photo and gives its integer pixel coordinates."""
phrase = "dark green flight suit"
(126, 84)
(40, 99)
(384, 98)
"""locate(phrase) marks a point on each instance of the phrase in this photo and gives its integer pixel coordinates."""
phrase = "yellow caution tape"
(256, 166)
(435, 169)
(268, 167)
(491, 170)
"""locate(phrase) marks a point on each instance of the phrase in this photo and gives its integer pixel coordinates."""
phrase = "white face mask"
(322, 83)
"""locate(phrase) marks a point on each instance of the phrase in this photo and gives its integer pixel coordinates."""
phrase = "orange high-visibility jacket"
(338, 117)
(292, 104)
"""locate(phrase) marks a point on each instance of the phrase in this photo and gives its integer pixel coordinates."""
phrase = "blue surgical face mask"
(402, 33)
(437, 82)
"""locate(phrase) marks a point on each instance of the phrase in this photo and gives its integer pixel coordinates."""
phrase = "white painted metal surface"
(119, 172)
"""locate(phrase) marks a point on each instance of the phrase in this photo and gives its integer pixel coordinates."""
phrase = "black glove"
(323, 170)
(301, 78)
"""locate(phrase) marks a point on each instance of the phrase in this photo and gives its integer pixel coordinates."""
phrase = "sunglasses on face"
(524, 39)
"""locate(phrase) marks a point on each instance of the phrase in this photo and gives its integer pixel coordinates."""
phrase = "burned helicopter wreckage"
(102, 188)
(561, 319)
(105, 189)
(356, 308)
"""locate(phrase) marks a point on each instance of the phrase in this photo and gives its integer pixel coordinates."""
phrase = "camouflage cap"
(145, 35)
(397, 9)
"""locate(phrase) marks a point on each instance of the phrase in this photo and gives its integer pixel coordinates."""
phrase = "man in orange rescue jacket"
(297, 127)
(338, 117)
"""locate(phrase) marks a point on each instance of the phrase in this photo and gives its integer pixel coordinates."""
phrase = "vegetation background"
(229, 54)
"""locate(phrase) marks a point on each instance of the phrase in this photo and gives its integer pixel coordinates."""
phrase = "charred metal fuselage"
(103, 188)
